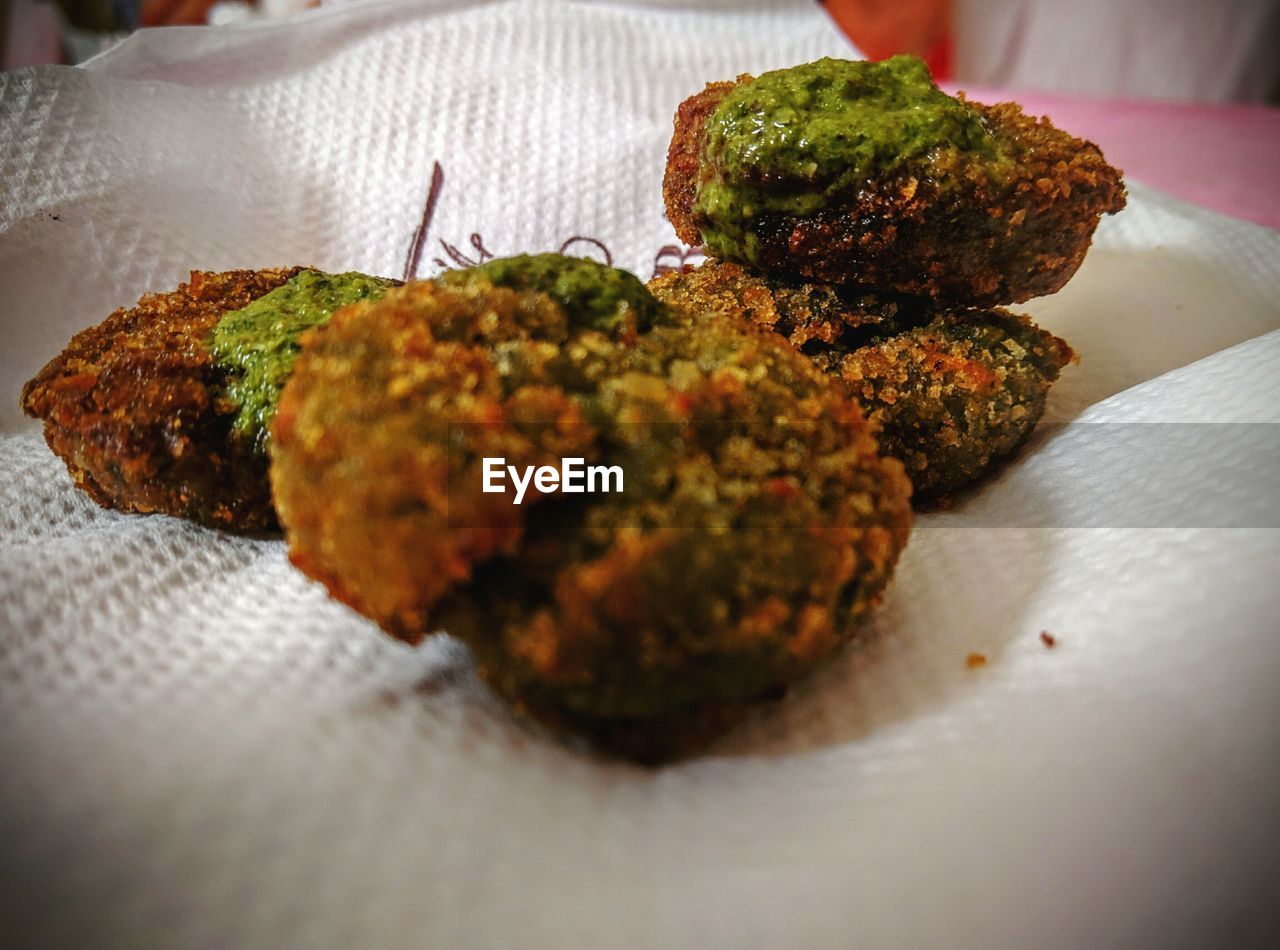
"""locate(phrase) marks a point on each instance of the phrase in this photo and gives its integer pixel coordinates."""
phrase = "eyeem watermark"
(574, 476)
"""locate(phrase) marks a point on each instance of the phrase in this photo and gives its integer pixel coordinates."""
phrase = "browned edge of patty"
(134, 407)
(951, 391)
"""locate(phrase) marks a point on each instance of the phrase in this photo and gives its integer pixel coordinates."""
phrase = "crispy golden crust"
(964, 242)
(374, 431)
(952, 391)
(757, 526)
(684, 155)
(955, 396)
(133, 406)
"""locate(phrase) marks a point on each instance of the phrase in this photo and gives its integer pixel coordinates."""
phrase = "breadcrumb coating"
(135, 407)
(952, 391)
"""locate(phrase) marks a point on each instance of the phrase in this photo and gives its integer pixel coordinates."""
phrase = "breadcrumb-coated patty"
(953, 391)
(757, 525)
(947, 229)
(135, 407)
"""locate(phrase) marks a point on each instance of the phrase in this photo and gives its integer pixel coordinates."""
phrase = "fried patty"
(757, 526)
(948, 227)
(164, 407)
(135, 407)
(953, 391)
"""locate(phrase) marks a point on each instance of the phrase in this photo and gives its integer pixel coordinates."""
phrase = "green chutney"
(795, 141)
(592, 294)
(257, 345)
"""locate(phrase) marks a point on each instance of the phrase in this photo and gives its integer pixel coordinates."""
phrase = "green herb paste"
(592, 294)
(258, 344)
(794, 141)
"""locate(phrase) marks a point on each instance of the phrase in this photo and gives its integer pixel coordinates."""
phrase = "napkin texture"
(201, 749)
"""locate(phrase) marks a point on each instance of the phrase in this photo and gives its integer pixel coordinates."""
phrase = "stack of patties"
(743, 523)
(875, 221)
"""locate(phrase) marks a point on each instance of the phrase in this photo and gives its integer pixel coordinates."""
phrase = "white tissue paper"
(199, 749)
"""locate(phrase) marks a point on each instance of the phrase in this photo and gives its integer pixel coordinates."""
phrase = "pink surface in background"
(1224, 157)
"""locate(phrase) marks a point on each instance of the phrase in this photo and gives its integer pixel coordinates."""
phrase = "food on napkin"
(755, 526)
(952, 390)
(838, 170)
(753, 518)
(164, 406)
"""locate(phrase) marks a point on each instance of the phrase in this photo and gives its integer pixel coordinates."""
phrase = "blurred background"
(39, 32)
(1181, 94)
(1183, 50)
